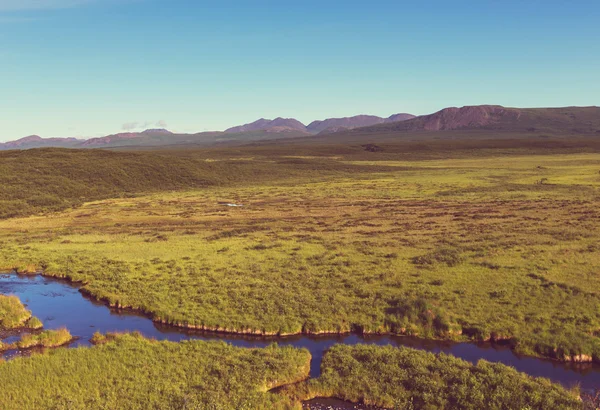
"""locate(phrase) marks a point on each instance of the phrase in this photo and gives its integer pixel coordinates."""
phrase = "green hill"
(53, 178)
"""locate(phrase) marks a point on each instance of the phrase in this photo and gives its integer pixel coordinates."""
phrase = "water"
(59, 304)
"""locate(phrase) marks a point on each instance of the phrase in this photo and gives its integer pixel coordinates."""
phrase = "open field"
(495, 245)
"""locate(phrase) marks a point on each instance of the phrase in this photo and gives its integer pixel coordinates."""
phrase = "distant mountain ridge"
(580, 120)
(337, 124)
(316, 127)
(258, 130)
(35, 141)
(109, 139)
(276, 125)
(491, 118)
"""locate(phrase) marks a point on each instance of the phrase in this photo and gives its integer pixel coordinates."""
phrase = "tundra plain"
(494, 244)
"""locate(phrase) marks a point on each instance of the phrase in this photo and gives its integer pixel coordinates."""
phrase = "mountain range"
(484, 118)
(317, 127)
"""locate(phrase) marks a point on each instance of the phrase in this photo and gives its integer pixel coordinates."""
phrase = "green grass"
(470, 247)
(14, 315)
(130, 372)
(403, 378)
(47, 338)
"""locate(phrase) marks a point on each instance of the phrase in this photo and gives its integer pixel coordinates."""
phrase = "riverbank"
(55, 299)
(392, 378)
(454, 335)
(14, 315)
(137, 371)
(133, 372)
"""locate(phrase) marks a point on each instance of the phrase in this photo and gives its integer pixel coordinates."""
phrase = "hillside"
(53, 179)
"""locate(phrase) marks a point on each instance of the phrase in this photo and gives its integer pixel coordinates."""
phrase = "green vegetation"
(14, 315)
(34, 323)
(462, 245)
(402, 378)
(54, 179)
(130, 372)
(47, 338)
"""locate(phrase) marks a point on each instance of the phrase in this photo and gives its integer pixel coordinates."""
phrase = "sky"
(89, 68)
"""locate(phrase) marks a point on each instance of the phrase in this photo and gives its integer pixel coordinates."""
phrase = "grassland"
(403, 378)
(489, 244)
(130, 372)
(49, 180)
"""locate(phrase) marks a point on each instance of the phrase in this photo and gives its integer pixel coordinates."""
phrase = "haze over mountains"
(578, 121)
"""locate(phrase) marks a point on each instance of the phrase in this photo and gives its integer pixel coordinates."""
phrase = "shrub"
(414, 315)
(447, 255)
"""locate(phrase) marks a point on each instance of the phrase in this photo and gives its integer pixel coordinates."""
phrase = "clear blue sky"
(93, 67)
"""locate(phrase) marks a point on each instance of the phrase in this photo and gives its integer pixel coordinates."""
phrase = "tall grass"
(13, 314)
(130, 372)
(403, 378)
(47, 338)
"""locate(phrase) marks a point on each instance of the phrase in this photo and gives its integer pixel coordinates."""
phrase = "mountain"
(276, 125)
(329, 125)
(35, 141)
(157, 131)
(482, 121)
(338, 124)
(576, 120)
(400, 117)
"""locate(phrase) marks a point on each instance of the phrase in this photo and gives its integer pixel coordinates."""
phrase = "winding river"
(57, 303)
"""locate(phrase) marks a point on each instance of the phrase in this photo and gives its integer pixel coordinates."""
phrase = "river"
(57, 303)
